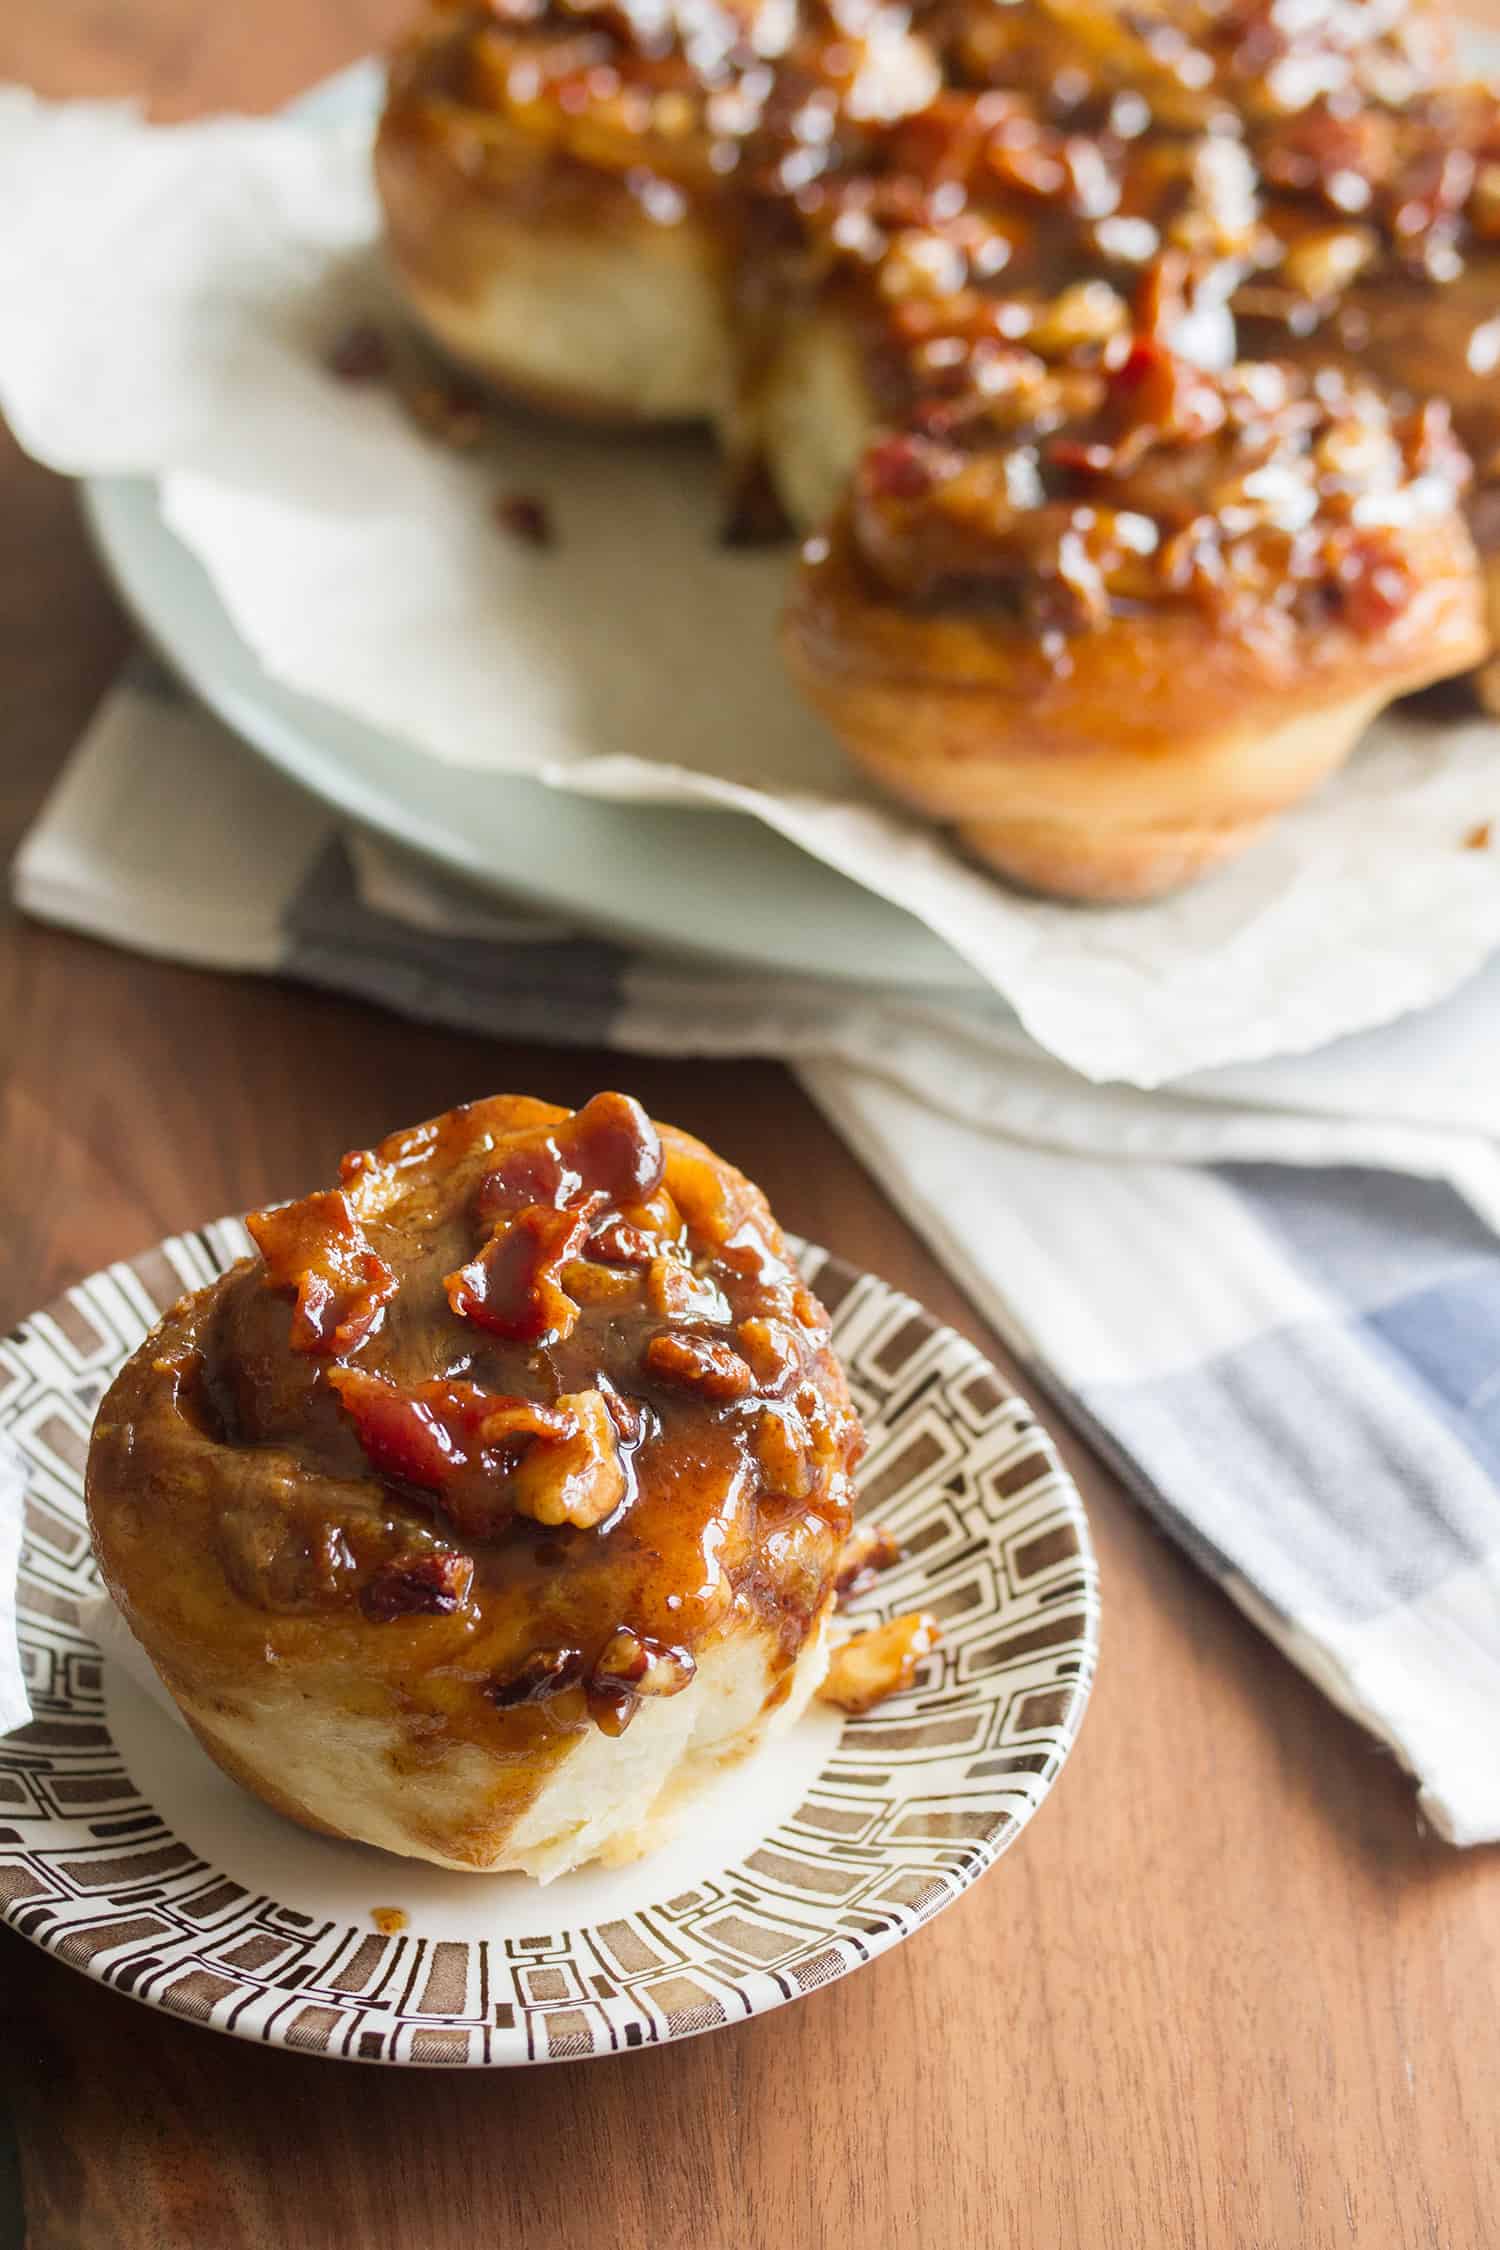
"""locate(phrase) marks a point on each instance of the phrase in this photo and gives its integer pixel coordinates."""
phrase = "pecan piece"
(579, 1479)
(879, 1663)
(699, 1363)
(771, 1348)
(433, 1583)
(629, 1666)
(675, 1292)
(546, 1672)
(869, 1549)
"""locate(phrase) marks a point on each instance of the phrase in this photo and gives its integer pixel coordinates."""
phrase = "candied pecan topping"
(784, 1452)
(426, 1583)
(870, 1666)
(629, 1666)
(513, 1288)
(545, 1673)
(580, 1479)
(318, 1248)
(869, 1549)
(699, 1363)
(550, 1429)
(770, 1349)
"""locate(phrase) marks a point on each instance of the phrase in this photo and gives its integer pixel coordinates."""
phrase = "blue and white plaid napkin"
(1270, 1296)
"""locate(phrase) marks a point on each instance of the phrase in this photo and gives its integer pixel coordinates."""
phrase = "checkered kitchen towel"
(1270, 1296)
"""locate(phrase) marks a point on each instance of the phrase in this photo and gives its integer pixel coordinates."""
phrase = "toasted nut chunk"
(546, 1672)
(771, 1349)
(629, 1667)
(879, 1663)
(430, 1584)
(1326, 261)
(699, 1363)
(646, 1666)
(675, 1292)
(781, 1450)
(588, 1284)
(868, 1550)
(579, 1479)
(700, 1195)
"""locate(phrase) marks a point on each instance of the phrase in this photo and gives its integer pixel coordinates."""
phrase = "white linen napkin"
(1271, 1296)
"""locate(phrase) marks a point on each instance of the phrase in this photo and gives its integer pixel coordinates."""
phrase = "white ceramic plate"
(715, 883)
(125, 1851)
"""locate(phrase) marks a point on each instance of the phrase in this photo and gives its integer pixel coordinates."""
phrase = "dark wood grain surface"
(1224, 1992)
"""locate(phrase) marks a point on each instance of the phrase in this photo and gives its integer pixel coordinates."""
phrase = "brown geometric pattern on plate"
(921, 1795)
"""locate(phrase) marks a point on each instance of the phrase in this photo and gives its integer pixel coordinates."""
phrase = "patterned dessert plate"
(124, 1850)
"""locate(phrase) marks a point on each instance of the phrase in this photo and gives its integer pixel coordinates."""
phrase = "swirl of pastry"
(523, 1439)
(1106, 622)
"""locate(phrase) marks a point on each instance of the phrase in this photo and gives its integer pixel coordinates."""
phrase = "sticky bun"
(501, 1499)
(1132, 370)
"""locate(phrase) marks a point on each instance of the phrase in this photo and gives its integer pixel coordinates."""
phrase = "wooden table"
(1223, 1993)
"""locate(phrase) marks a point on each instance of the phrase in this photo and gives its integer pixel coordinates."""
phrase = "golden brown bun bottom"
(556, 286)
(1158, 749)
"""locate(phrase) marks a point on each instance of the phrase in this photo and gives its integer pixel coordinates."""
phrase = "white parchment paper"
(166, 300)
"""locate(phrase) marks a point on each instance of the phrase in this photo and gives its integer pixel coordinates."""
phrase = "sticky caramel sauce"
(506, 1428)
(1053, 232)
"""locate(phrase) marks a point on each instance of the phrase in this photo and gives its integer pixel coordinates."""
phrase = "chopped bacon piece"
(618, 1244)
(430, 1584)
(513, 1288)
(608, 1148)
(1372, 583)
(900, 468)
(318, 1248)
(451, 1439)
(699, 1363)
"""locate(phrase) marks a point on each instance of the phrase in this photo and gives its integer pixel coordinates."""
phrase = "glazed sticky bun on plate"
(1131, 371)
(502, 1498)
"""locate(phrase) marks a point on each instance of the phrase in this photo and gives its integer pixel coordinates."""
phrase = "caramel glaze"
(505, 1429)
(1044, 260)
